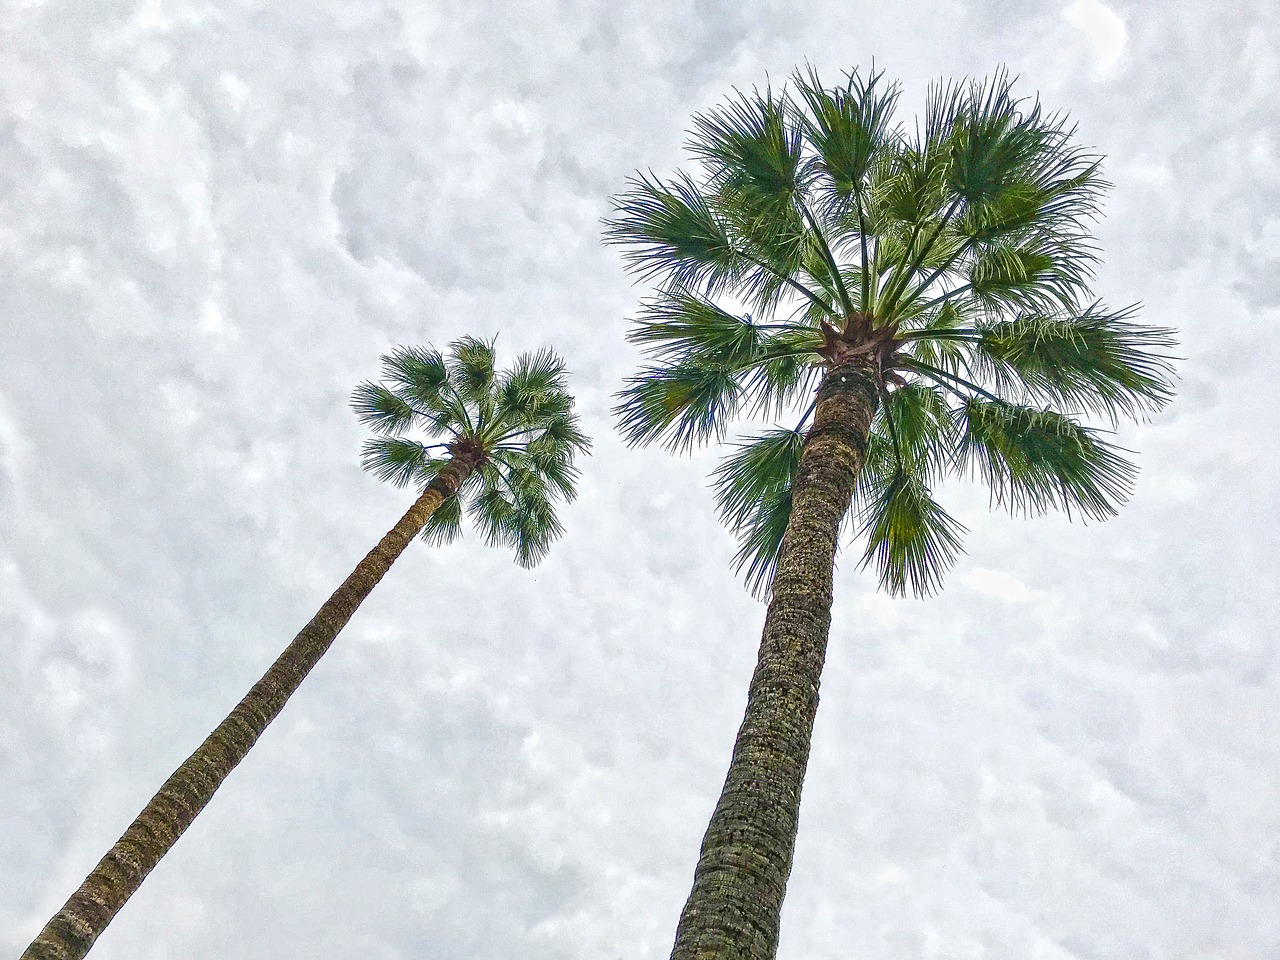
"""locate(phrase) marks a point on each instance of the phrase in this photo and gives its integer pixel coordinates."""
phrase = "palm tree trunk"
(734, 907)
(75, 927)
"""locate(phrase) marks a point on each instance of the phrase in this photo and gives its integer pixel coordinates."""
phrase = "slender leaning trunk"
(75, 927)
(733, 911)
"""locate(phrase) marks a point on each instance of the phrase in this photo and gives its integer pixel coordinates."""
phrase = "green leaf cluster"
(520, 421)
(962, 244)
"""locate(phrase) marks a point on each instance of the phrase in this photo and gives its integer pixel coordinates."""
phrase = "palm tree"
(922, 296)
(505, 443)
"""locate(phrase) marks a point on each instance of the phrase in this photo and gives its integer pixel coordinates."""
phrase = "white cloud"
(996, 583)
(1102, 28)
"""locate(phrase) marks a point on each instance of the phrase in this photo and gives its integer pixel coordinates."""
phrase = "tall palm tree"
(504, 442)
(922, 296)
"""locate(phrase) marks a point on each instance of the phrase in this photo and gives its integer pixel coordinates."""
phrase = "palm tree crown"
(515, 431)
(954, 258)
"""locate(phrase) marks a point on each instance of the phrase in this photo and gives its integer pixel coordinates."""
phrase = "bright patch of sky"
(1102, 28)
(996, 583)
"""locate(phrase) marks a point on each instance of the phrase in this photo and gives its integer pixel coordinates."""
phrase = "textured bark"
(734, 907)
(75, 927)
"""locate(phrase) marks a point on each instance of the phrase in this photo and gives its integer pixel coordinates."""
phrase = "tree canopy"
(515, 428)
(814, 227)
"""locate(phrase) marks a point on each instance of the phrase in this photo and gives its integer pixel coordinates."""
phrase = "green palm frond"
(419, 376)
(559, 473)
(535, 527)
(918, 422)
(1013, 179)
(993, 138)
(868, 215)
(1096, 361)
(914, 431)
(683, 400)
(777, 271)
(879, 462)
(514, 509)
(760, 542)
(917, 236)
(784, 369)
(682, 325)
(398, 461)
(1009, 214)
(1019, 175)
(444, 525)
(912, 196)
(531, 377)
(532, 393)
(848, 129)
(492, 511)
(671, 234)
(1070, 185)
(1061, 191)
(546, 460)
(564, 434)
(471, 369)
(911, 540)
(769, 365)
(381, 410)
(1039, 460)
(553, 406)
(752, 156)
(753, 495)
(1042, 273)
(751, 153)
(679, 405)
(940, 320)
(760, 466)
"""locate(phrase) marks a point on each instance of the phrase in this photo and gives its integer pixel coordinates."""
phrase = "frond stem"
(827, 256)
(935, 373)
(899, 282)
(460, 406)
(934, 276)
(807, 413)
(967, 336)
(862, 239)
(888, 417)
(789, 281)
(955, 291)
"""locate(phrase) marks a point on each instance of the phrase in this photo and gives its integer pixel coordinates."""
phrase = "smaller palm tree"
(505, 443)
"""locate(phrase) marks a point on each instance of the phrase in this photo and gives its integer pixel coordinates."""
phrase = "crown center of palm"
(469, 451)
(859, 336)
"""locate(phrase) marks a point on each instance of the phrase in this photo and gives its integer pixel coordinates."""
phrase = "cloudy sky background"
(213, 220)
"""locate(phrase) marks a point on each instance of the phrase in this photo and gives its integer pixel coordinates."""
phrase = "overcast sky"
(214, 217)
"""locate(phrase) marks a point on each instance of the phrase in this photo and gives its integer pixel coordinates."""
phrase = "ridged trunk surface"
(732, 912)
(74, 928)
